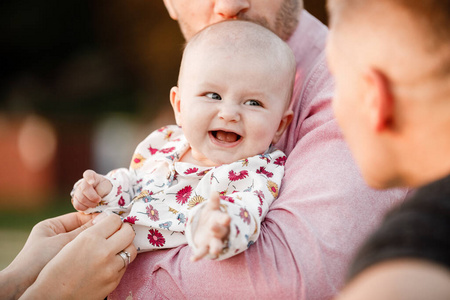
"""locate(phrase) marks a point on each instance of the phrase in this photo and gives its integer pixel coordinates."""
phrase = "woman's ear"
(284, 123)
(176, 104)
(379, 100)
(170, 9)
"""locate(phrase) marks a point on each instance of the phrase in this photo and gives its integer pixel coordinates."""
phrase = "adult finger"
(68, 222)
(107, 226)
(121, 238)
(126, 256)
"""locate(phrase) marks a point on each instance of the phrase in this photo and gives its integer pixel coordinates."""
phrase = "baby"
(210, 180)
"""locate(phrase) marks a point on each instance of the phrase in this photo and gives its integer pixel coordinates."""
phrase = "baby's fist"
(90, 190)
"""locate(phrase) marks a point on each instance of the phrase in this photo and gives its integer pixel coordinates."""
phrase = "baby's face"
(231, 106)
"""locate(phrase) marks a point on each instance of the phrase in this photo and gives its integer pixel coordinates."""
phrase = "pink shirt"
(323, 213)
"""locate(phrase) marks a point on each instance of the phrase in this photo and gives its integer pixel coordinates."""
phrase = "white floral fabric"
(162, 197)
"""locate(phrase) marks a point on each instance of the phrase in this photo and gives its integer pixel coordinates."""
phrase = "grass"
(15, 226)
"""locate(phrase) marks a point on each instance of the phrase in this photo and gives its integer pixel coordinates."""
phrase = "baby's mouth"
(225, 136)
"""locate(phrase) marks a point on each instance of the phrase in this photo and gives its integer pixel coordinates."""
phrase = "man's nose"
(229, 113)
(230, 9)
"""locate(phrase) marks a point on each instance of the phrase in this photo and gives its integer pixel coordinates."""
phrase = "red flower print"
(264, 157)
(131, 219)
(152, 150)
(184, 194)
(121, 201)
(237, 230)
(263, 171)
(156, 238)
(260, 195)
(167, 150)
(190, 171)
(260, 210)
(280, 161)
(152, 213)
(233, 176)
(245, 216)
(119, 190)
(226, 198)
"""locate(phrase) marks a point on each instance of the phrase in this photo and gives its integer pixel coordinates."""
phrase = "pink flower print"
(226, 198)
(152, 213)
(167, 150)
(237, 230)
(121, 201)
(162, 129)
(260, 210)
(184, 194)
(156, 238)
(152, 150)
(263, 171)
(233, 176)
(280, 161)
(131, 219)
(260, 195)
(119, 190)
(190, 171)
(245, 216)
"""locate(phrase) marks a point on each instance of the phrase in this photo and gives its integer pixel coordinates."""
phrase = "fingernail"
(91, 181)
(99, 218)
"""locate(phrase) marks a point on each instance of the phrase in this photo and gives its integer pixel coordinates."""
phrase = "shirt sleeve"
(247, 189)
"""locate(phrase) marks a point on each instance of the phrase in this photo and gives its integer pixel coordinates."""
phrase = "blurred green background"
(81, 83)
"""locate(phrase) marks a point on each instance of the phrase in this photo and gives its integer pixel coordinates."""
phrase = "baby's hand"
(212, 230)
(90, 190)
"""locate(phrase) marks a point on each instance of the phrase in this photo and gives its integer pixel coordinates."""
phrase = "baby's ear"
(284, 123)
(176, 103)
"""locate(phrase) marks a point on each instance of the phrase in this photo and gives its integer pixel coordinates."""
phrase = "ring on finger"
(126, 258)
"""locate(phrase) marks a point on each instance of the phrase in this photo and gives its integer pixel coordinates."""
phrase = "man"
(324, 209)
(393, 105)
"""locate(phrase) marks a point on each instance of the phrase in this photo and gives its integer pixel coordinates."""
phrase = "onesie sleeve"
(247, 188)
(128, 183)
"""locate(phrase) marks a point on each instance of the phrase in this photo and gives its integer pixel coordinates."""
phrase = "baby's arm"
(90, 190)
(212, 230)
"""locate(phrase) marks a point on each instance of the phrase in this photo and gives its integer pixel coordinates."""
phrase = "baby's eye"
(253, 103)
(214, 96)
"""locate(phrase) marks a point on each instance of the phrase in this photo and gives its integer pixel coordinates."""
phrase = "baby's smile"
(225, 136)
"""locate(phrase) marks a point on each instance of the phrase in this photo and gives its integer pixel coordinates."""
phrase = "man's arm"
(307, 239)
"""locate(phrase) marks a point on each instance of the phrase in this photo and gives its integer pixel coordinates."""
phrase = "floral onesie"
(162, 197)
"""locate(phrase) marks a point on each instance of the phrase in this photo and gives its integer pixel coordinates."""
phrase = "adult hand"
(212, 230)
(46, 239)
(89, 267)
